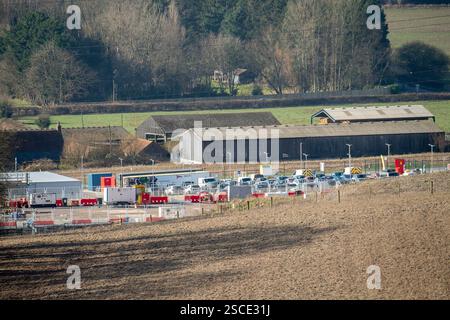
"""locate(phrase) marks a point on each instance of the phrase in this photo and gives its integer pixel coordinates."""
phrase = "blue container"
(94, 180)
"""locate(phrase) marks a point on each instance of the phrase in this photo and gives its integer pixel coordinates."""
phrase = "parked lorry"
(42, 200)
(119, 196)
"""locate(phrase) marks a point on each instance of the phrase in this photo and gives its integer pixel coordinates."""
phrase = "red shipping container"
(107, 182)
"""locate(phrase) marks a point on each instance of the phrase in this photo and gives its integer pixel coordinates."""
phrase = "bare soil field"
(301, 249)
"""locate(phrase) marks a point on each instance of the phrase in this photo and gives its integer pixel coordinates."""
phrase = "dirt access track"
(297, 250)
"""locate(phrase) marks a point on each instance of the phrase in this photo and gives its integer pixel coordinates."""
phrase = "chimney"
(59, 127)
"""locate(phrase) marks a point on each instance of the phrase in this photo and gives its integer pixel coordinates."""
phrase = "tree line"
(143, 49)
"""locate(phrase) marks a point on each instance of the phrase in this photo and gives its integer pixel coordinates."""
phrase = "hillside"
(428, 24)
(304, 250)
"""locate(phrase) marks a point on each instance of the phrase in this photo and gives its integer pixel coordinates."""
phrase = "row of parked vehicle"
(261, 183)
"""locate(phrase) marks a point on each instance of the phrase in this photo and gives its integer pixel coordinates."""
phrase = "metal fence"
(368, 167)
(64, 192)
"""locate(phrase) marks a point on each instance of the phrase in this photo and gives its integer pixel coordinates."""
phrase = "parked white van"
(208, 183)
(245, 181)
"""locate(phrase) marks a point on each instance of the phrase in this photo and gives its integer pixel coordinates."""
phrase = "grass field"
(305, 249)
(428, 24)
(290, 115)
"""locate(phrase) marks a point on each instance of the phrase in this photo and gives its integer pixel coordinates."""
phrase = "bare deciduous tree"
(146, 40)
(56, 76)
(273, 60)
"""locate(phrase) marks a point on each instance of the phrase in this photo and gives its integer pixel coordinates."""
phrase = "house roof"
(375, 113)
(170, 123)
(332, 130)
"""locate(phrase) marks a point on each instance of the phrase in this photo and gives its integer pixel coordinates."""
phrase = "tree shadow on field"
(156, 261)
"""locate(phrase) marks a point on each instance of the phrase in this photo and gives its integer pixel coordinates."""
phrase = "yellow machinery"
(140, 189)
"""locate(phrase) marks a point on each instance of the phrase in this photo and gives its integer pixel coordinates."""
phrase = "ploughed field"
(300, 249)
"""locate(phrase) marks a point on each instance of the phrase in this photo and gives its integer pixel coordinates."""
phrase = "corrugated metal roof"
(38, 177)
(170, 123)
(331, 130)
(375, 113)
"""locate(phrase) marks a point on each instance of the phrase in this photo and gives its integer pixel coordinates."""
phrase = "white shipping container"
(112, 196)
(42, 199)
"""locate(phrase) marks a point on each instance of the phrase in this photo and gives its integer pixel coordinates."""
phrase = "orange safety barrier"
(44, 223)
(159, 200)
(258, 195)
(118, 220)
(295, 193)
(88, 202)
(192, 198)
(222, 197)
(9, 224)
(74, 203)
(86, 221)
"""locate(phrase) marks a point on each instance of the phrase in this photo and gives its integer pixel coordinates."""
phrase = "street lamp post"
(82, 169)
(389, 154)
(267, 156)
(121, 171)
(306, 160)
(229, 153)
(153, 175)
(349, 155)
(301, 155)
(432, 146)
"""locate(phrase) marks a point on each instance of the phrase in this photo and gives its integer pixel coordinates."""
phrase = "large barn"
(318, 141)
(161, 128)
(372, 114)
